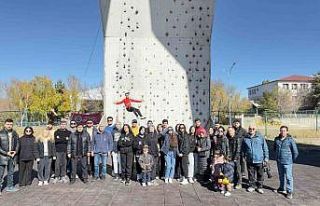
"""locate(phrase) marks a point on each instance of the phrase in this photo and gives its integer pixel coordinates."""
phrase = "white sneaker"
(77, 177)
(170, 180)
(184, 182)
(45, 183)
(65, 180)
(222, 192)
(143, 184)
(259, 190)
(166, 180)
(149, 183)
(55, 180)
(40, 183)
(190, 180)
(227, 194)
(250, 189)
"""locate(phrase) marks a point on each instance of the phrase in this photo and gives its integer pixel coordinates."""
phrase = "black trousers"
(91, 166)
(182, 166)
(238, 173)
(255, 174)
(61, 165)
(126, 165)
(162, 165)
(79, 161)
(25, 172)
(135, 111)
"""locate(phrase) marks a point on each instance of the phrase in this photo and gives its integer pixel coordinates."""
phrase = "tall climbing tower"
(159, 51)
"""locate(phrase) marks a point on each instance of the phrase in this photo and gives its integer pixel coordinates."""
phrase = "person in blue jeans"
(170, 150)
(286, 151)
(102, 147)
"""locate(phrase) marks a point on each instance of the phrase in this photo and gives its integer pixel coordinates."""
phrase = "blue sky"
(267, 39)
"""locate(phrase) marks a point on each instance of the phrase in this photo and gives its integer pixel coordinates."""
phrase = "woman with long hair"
(193, 156)
(170, 150)
(47, 153)
(27, 153)
(125, 145)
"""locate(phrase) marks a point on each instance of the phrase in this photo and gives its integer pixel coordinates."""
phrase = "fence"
(302, 123)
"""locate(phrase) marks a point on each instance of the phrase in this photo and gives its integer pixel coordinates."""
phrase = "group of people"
(146, 154)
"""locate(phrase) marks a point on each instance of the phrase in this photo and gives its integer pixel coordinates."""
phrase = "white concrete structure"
(296, 84)
(159, 51)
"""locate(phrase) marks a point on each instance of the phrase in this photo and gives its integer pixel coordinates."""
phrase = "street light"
(230, 95)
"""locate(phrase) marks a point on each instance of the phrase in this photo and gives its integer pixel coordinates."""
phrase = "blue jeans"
(170, 164)
(146, 177)
(285, 174)
(100, 158)
(10, 169)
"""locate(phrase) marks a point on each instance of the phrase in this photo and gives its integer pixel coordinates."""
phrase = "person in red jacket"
(128, 104)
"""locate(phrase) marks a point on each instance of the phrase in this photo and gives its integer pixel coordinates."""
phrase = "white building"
(296, 84)
(159, 51)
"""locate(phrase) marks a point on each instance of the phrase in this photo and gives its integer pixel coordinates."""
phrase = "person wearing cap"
(61, 138)
(255, 150)
(127, 101)
(135, 127)
(146, 162)
(240, 133)
(203, 147)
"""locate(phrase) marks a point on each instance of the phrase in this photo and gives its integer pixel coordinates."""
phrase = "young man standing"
(61, 137)
(91, 130)
(240, 133)
(286, 152)
(8, 150)
(255, 150)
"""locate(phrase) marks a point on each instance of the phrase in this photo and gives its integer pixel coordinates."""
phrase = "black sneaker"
(103, 177)
(85, 181)
(289, 195)
(72, 182)
(128, 182)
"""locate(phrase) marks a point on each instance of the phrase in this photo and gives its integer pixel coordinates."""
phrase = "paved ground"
(307, 183)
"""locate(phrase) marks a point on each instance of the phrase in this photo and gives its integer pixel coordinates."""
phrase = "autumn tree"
(315, 93)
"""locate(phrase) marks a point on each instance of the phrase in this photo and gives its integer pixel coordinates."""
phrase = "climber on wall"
(127, 103)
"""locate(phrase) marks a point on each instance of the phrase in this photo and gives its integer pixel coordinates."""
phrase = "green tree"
(269, 100)
(315, 93)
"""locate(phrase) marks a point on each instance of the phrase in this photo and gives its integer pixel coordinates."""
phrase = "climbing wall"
(159, 51)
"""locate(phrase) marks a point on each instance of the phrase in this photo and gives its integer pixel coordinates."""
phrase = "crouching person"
(286, 152)
(47, 153)
(225, 179)
(102, 147)
(146, 162)
(79, 150)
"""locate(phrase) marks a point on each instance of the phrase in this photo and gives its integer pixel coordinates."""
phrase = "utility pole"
(230, 95)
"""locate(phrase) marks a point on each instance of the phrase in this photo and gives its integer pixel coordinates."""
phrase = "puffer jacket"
(86, 143)
(51, 149)
(125, 144)
(153, 144)
(234, 148)
(138, 144)
(4, 145)
(205, 145)
(184, 144)
(222, 144)
(286, 150)
(255, 149)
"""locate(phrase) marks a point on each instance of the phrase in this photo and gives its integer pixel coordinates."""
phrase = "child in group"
(223, 173)
(146, 163)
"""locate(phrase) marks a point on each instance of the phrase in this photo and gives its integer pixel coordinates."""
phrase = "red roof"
(299, 78)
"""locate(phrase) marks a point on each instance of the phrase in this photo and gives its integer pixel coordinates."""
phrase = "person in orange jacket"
(127, 101)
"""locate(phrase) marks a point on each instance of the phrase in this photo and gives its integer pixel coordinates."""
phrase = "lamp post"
(230, 95)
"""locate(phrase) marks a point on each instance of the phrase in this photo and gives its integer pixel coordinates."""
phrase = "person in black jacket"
(79, 150)
(9, 139)
(234, 156)
(27, 153)
(191, 156)
(154, 150)
(184, 149)
(240, 134)
(220, 142)
(138, 144)
(47, 153)
(125, 145)
(61, 138)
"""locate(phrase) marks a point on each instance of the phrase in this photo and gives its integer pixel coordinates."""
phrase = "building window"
(285, 86)
(304, 86)
(294, 86)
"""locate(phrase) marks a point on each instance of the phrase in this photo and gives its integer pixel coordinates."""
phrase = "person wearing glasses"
(170, 150)
(255, 150)
(184, 149)
(27, 153)
(61, 138)
(220, 142)
(91, 130)
(73, 125)
(110, 126)
(8, 149)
